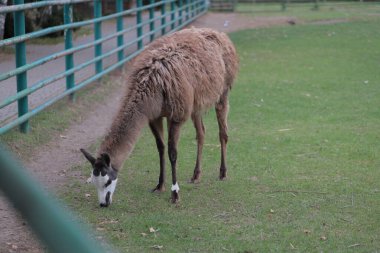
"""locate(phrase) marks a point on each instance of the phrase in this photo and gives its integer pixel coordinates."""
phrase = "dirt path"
(50, 163)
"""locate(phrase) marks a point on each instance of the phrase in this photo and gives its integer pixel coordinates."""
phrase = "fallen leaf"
(323, 238)
(152, 230)
(284, 129)
(99, 229)
(63, 136)
(87, 195)
(271, 211)
(108, 222)
(254, 178)
(291, 245)
(159, 247)
(144, 234)
(306, 231)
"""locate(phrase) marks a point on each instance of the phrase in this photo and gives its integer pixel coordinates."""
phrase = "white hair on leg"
(175, 187)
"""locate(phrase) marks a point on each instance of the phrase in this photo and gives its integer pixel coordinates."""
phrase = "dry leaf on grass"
(152, 230)
(87, 195)
(284, 129)
(111, 221)
(254, 178)
(307, 231)
(323, 238)
(158, 247)
(144, 234)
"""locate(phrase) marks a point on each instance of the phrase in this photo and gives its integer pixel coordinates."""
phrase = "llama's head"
(103, 176)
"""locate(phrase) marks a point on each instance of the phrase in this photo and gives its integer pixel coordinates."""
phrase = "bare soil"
(51, 162)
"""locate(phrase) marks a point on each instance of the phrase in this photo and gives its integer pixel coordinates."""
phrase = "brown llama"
(177, 76)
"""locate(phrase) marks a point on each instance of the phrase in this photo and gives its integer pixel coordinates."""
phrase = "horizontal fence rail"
(150, 21)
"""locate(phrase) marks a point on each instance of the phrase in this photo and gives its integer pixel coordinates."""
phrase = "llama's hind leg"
(200, 129)
(158, 131)
(174, 129)
(221, 114)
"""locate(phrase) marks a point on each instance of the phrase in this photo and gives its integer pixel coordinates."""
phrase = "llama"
(176, 77)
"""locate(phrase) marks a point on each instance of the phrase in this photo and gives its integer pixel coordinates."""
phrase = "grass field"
(304, 156)
(305, 12)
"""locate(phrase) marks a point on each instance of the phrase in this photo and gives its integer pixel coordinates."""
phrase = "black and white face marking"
(103, 176)
(105, 186)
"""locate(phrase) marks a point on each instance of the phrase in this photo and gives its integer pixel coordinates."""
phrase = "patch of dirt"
(230, 22)
(51, 162)
(50, 165)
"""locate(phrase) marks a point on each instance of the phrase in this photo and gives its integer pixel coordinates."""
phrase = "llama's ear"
(88, 156)
(106, 158)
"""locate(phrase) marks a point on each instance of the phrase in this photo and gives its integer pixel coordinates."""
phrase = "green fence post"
(192, 7)
(180, 4)
(138, 22)
(187, 2)
(56, 228)
(19, 29)
(151, 17)
(119, 27)
(163, 17)
(98, 35)
(69, 59)
(172, 15)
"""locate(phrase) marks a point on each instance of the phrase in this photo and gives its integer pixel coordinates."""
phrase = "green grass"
(303, 156)
(305, 12)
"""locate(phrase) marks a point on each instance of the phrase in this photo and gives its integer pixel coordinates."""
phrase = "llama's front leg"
(158, 131)
(200, 130)
(221, 113)
(174, 129)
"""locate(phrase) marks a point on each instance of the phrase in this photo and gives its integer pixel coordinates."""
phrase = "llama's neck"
(123, 135)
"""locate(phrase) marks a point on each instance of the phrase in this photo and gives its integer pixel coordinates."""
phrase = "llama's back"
(229, 54)
(188, 71)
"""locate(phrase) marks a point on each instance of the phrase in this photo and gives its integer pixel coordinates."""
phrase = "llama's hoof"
(222, 178)
(175, 197)
(159, 188)
(194, 180)
(196, 177)
(223, 174)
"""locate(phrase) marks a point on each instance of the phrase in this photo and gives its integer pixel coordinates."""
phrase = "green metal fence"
(48, 219)
(173, 15)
